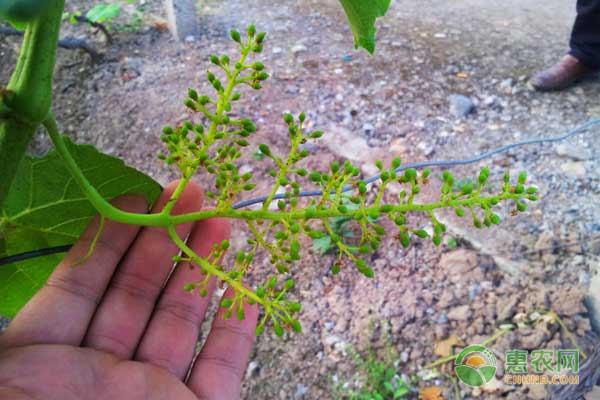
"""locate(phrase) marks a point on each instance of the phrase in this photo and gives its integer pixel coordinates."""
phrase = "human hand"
(119, 327)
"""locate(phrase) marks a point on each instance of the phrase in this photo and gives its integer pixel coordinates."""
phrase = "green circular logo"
(475, 366)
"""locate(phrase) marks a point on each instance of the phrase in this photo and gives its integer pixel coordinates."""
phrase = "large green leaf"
(362, 15)
(19, 12)
(45, 208)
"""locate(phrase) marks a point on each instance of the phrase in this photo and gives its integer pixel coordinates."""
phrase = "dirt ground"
(396, 103)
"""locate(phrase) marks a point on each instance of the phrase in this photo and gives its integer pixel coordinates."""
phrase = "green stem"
(486, 342)
(210, 269)
(30, 90)
(112, 213)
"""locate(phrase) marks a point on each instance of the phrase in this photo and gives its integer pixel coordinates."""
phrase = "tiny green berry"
(235, 35)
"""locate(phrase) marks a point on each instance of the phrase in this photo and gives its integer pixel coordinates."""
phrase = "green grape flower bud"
(260, 37)
(259, 330)
(277, 329)
(386, 208)
(483, 175)
(519, 188)
(421, 233)
(396, 162)
(335, 167)
(264, 149)
(235, 35)
(214, 59)
(289, 284)
(258, 66)
(495, 219)
(335, 269)
(460, 212)
(226, 303)
(362, 188)
(379, 164)
(240, 314)
(405, 239)
(192, 94)
(316, 134)
(288, 118)
(410, 174)
(272, 282)
(251, 30)
(522, 178)
(367, 271)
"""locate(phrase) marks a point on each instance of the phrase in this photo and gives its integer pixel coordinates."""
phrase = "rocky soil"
(448, 81)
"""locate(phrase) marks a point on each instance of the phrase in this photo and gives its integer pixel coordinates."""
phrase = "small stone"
(569, 301)
(592, 302)
(461, 106)
(252, 370)
(426, 148)
(594, 394)
(507, 85)
(490, 101)
(537, 392)
(532, 338)
(292, 89)
(575, 169)
(404, 356)
(301, 391)
(506, 308)
(298, 48)
(457, 263)
(567, 151)
(398, 148)
(460, 313)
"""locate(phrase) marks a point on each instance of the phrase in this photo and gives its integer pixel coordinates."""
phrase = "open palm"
(120, 325)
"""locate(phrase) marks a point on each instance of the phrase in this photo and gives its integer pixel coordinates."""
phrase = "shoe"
(560, 76)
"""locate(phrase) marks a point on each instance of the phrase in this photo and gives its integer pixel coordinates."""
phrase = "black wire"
(35, 253)
(444, 163)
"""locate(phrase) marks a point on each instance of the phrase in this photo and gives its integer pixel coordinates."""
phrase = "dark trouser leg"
(585, 38)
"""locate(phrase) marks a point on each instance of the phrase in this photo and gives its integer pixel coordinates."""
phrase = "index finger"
(63, 308)
(219, 368)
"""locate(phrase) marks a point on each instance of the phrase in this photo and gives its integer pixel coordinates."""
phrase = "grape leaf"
(104, 12)
(361, 16)
(46, 208)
